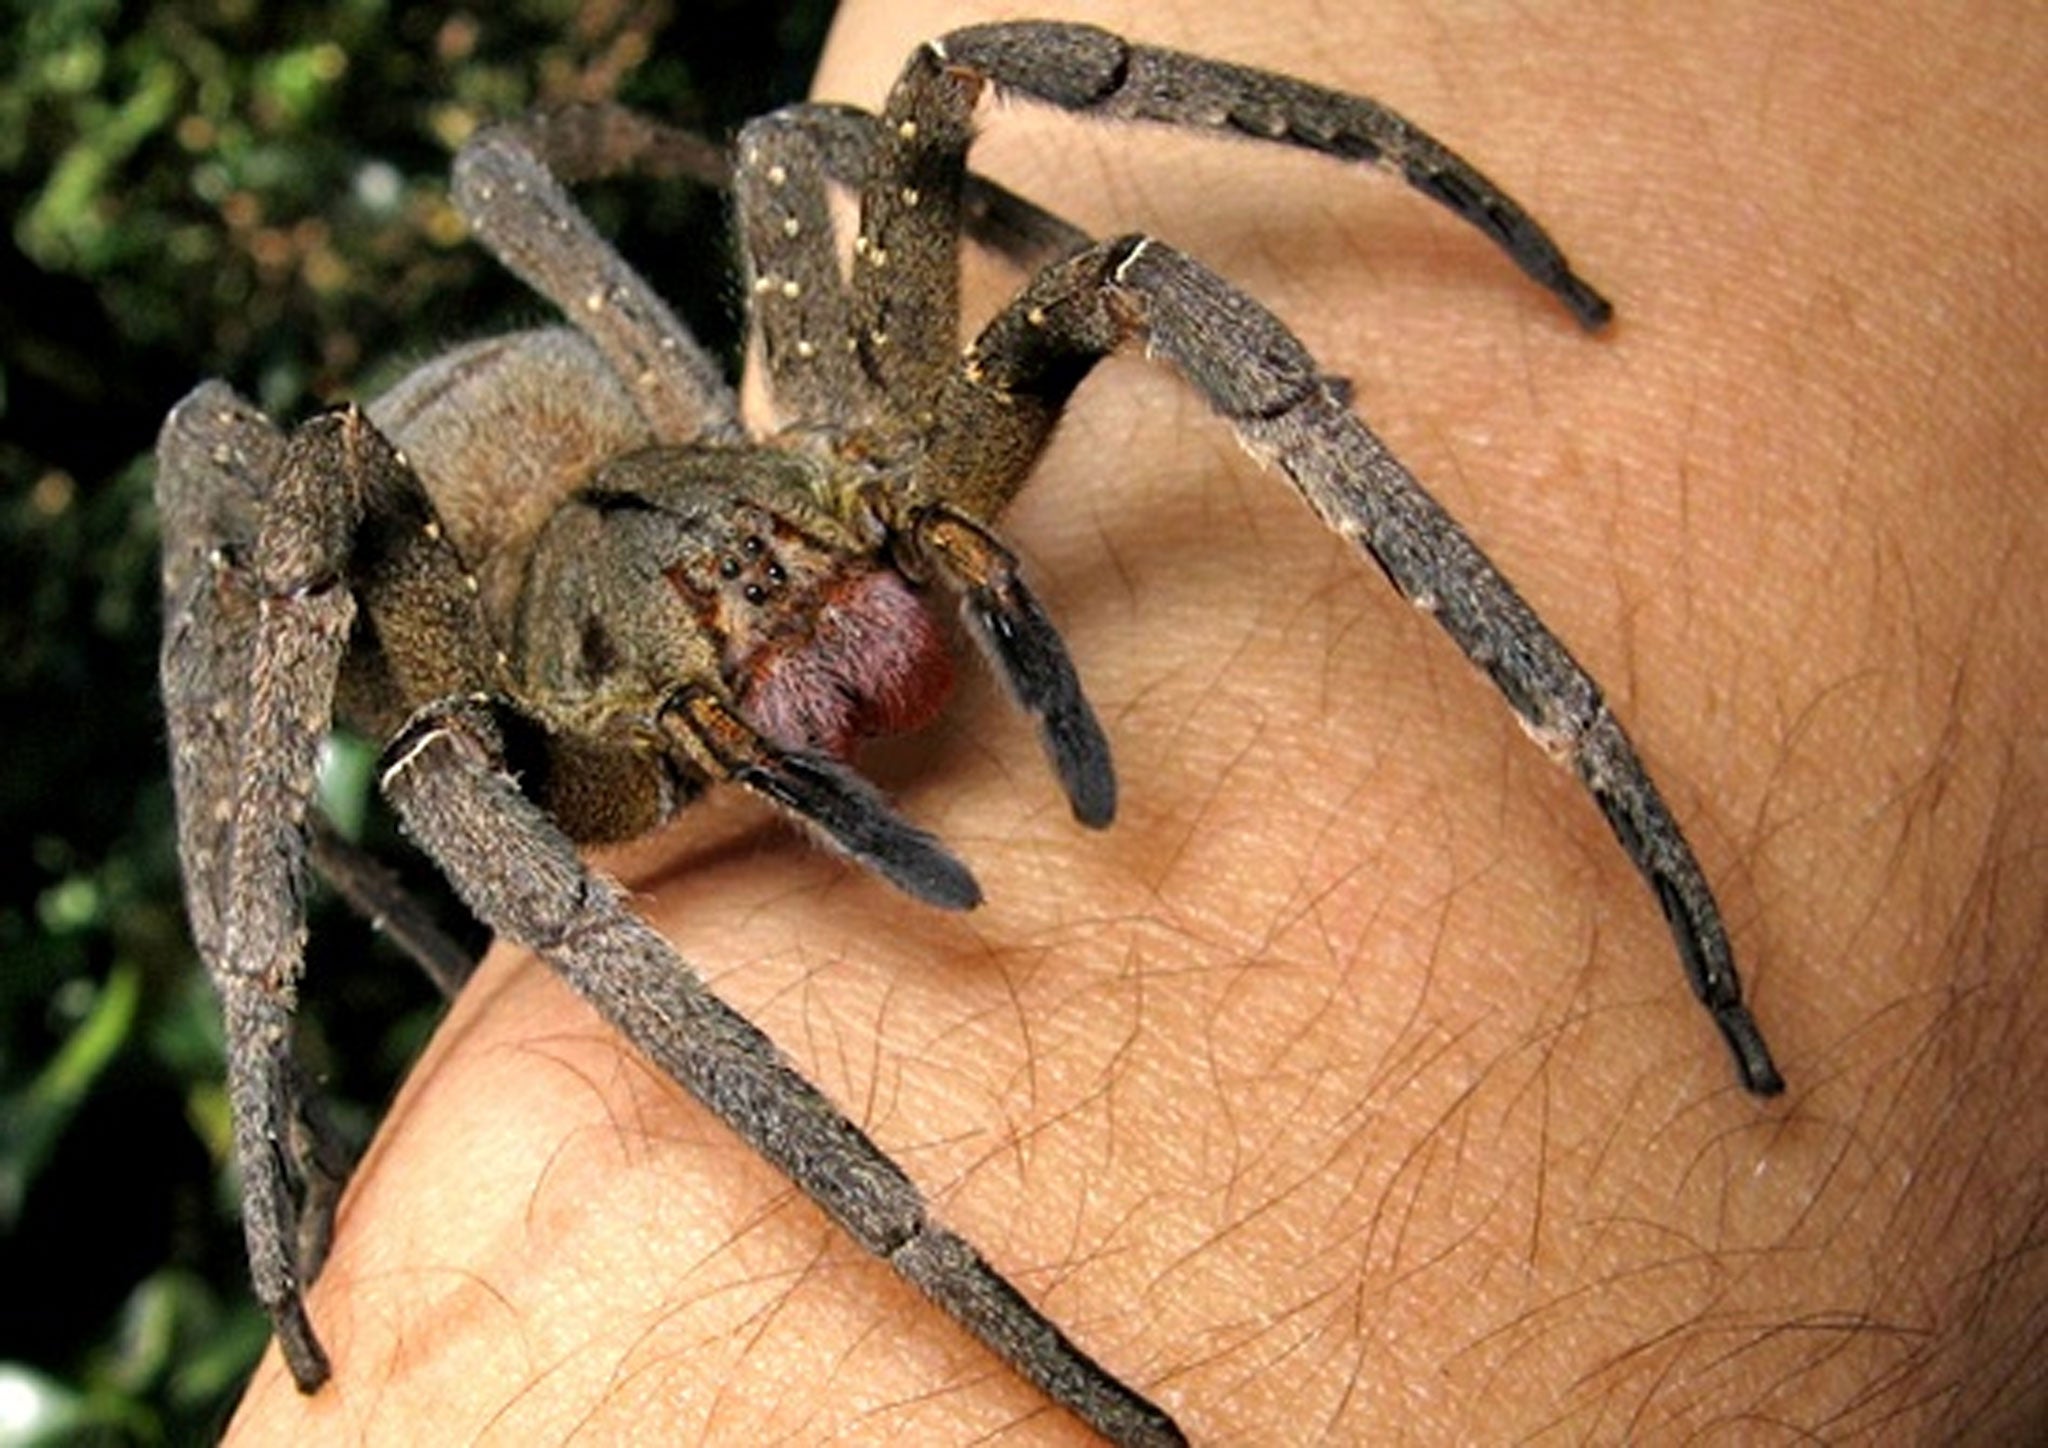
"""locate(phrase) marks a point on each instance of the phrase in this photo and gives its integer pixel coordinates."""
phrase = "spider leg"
(270, 539)
(216, 457)
(303, 618)
(1264, 383)
(847, 141)
(230, 652)
(445, 775)
(816, 355)
(217, 460)
(1019, 230)
(838, 804)
(509, 182)
(798, 298)
(846, 138)
(906, 268)
(1093, 72)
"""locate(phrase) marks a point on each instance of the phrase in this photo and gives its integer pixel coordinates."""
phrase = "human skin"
(1347, 1089)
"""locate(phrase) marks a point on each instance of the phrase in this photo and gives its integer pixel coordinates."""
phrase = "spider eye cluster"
(758, 582)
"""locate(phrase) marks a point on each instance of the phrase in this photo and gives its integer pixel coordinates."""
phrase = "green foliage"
(220, 188)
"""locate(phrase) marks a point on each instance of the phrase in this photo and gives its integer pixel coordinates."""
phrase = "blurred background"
(255, 193)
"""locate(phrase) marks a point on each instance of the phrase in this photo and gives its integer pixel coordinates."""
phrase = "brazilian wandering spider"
(564, 638)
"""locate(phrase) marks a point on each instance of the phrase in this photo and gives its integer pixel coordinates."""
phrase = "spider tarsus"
(1651, 836)
(1077, 743)
(1593, 310)
(1753, 1061)
(1447, 179)
(303, 1355)
(946, 1268)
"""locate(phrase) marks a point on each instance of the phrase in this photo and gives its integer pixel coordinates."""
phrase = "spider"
(557, 576)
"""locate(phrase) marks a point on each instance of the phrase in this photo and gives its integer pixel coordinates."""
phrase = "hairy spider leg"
(845, 138)
(797, 299)
(509, 181)
(448, 782)
(1092, 72)
(1019, 230)
(217, 459)
(251, 661)
(1265, 385)
(1001, 401)
(906, 248)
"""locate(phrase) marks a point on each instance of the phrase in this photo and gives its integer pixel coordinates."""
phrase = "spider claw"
(854, 818)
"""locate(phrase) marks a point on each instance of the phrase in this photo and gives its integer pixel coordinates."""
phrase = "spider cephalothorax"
(554, 572)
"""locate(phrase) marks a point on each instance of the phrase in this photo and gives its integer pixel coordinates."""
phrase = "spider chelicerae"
(556, 574)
